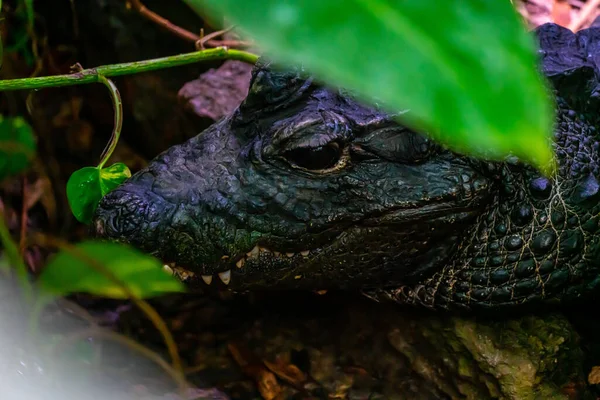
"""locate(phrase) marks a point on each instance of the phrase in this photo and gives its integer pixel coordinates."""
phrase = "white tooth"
(289, 254)
(225, 276)
(253, 252)
(240, 263)
(277, 254)
(207, 279)
(168, 269)
(305, 253)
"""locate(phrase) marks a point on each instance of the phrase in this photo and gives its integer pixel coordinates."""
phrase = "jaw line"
(225, 276)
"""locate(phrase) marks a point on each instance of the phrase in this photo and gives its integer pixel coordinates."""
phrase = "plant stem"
(91, 75)
(12, 254)
(118, 110)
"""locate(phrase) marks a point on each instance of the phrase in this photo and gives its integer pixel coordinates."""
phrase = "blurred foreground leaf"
(141, 273)
(465, 70)
(17, 146)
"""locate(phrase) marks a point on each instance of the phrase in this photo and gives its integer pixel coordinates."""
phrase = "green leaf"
(71, 272)
(17, 146)
(466, 71)
(88, 185)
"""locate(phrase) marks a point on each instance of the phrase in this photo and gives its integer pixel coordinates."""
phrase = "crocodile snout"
(126, 214)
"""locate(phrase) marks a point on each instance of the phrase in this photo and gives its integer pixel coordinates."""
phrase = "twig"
(209, 40)
(90, 75)
(11, 251)
(181, 32)
(165, 23)
(202, 40)
(24, 210)
(584, 15)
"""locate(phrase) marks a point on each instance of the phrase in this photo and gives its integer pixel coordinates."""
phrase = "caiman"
(305, 187)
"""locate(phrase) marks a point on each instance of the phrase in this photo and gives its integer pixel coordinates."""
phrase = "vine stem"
(92, 75)
(118, 119)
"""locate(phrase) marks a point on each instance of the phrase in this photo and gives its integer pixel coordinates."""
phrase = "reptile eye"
(315, 159)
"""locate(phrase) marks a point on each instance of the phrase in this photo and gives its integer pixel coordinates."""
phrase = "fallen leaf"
(287, 372)
(594, 375)
(253, 367)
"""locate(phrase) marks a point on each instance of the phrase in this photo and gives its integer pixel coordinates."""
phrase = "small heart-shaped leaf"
(88, 185)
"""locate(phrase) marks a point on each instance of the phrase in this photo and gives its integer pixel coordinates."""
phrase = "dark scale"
(497, 261)
(479, 277)
(525, 269)
(571, 242)
(526, 286)
(543, 241)
(502, 294)
(501, 229)
(557, 218)
(591, 225)
(481, 293)
(462, 287)
(573, 222)
(522, 215)
(513, 242)
(494, 246)
(547, 266)
(499, 276)
(479, 262)
(513, 257)
(540, 187)
(557, 278)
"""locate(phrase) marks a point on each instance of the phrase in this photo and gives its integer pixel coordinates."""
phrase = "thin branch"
(584, 15)
(24, 210)
(181, 32)
(11, 250)
(90, 75)
(204, 39)
(165, 23)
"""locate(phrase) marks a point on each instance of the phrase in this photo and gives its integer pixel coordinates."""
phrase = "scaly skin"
(364, 203)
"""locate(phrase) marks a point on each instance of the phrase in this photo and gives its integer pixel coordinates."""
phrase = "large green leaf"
(466, 70)
(88, 185)
(71, 272)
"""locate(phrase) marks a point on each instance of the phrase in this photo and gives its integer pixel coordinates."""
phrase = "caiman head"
(302, 186)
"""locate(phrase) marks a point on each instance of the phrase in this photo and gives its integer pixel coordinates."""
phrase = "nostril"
(119, 215)
(98, 228)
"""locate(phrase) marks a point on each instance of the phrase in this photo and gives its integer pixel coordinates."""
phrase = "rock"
(530, 357)
(217, 92)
